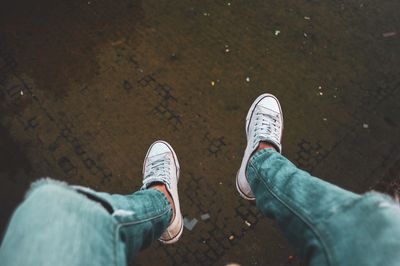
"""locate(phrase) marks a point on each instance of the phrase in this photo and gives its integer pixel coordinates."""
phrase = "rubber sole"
(240, 191)
(175, 238)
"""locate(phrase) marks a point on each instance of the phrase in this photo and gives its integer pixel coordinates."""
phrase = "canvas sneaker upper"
(264, 122)
(161, 165)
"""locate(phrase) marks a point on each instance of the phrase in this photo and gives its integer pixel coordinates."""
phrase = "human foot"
(264, 126)
(161, 171)
(264, 145)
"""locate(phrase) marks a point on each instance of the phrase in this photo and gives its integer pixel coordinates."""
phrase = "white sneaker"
(161, 165)
(264, 122)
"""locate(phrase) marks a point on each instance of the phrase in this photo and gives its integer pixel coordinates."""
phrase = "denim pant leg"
(141, 218)
(56, 225)
(326, 224)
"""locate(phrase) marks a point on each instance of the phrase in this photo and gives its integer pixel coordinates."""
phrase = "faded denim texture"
(57, 225)
(327, 225)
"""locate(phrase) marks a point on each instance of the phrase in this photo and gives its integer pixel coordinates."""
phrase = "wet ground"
(86, 87)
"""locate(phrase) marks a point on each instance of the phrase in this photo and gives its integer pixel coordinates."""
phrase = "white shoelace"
(267, 126)
(158, 170)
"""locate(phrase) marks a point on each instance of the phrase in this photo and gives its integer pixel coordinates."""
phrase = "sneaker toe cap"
(157, 148)
(270, 103)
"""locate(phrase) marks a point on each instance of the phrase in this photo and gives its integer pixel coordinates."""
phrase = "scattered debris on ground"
(190, 224)
(205, 216)
(389, 34)
(116, 43)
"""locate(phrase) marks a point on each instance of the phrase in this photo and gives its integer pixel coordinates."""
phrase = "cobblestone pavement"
(86, 87)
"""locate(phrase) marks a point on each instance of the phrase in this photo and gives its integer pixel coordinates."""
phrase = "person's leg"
(56, 225)
(160, 175)
(62, 225)
(326, 224)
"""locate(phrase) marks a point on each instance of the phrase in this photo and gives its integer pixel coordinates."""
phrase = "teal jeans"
(326, 224)
(62, 225)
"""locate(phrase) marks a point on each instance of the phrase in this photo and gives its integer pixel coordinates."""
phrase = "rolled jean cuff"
(261, 155)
